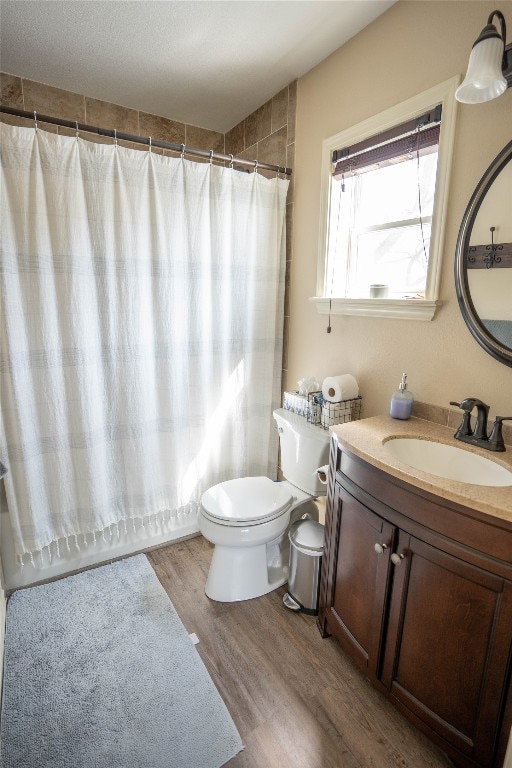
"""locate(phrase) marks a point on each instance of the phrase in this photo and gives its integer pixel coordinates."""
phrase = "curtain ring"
(115, 137)
(35, 119)
(231, 161)
(255, 166)
(182, 151)
(76, 123)
(211, 156)
(150, 143)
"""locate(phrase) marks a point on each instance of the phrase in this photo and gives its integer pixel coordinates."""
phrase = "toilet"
(247, 519)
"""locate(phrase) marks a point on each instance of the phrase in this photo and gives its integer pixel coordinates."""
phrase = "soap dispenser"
(401, 401)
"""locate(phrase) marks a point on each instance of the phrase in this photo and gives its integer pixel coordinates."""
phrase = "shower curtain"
(141, 335)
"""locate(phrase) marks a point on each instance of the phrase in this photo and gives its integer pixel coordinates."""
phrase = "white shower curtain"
(141, 335)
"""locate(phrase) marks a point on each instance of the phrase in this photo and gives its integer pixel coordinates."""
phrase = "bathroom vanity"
(417, 587)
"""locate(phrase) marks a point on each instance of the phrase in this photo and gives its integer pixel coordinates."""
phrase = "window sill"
(402, 309)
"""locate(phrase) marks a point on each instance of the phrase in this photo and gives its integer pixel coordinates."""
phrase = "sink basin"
(448, 461)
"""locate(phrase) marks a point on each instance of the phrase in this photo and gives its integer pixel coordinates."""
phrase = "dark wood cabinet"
(425, 612)
(361, 580)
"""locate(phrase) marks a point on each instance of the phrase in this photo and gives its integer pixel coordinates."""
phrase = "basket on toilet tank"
(302, 405)
(316, 410)
(332, 413)
(341, 400)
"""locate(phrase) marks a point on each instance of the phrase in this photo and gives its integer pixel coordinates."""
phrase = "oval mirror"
(483, 260)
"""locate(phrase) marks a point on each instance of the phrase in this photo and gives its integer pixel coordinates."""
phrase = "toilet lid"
(246, 500)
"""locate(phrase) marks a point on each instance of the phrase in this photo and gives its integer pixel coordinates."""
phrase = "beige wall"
(412, 47)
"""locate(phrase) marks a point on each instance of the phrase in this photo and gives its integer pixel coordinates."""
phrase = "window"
(385, 188)
(382, 199)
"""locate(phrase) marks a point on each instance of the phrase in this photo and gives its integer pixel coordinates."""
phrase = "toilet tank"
(304, 448)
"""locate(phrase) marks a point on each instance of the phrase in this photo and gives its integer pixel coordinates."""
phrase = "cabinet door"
(448, 646)
(361, 580)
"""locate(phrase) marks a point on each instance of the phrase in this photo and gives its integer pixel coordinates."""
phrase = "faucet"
(478, 436)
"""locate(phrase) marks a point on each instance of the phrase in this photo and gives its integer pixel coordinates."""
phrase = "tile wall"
(267, 135)
(30, 95)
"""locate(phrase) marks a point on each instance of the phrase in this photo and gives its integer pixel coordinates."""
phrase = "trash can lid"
(307, 535)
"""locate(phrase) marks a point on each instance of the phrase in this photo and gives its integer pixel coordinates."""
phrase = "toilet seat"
(246, 501)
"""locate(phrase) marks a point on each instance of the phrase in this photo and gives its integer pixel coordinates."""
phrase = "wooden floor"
(296, 699)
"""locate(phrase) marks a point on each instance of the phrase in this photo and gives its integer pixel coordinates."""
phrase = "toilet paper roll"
(342, 387)
(322, 474)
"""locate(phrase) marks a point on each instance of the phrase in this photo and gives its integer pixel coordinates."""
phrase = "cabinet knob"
(379, 548)
(396, 559)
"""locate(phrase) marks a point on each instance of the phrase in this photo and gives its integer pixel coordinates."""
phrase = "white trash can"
(306, 550)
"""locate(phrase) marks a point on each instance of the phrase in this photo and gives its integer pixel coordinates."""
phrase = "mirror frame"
(467, 308)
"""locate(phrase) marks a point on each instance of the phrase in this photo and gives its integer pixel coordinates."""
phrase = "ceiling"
(206, 63)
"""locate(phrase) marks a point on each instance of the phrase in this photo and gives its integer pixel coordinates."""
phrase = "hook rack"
(492, 258)
(489, 256)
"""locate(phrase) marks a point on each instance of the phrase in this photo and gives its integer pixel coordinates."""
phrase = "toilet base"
(245, 564)
(250, 574)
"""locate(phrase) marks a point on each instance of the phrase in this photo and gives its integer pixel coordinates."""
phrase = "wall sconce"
(490, 65)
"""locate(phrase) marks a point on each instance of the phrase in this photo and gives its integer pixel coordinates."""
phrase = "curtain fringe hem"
(156, 522)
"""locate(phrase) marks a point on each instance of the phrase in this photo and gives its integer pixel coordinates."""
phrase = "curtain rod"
(147, 141)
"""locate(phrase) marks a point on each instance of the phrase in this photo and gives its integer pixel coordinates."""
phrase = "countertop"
(365, 438)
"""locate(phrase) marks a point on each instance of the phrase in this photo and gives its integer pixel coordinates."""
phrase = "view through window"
(380, 213)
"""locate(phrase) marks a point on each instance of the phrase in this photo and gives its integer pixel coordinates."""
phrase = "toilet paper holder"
(322, 474)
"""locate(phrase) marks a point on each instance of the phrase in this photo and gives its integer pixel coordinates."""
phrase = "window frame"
(417, 309)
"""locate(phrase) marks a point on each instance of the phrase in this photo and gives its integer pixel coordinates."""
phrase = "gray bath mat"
(101, 673)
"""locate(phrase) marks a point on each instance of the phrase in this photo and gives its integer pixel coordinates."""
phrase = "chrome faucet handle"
(496, 442)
